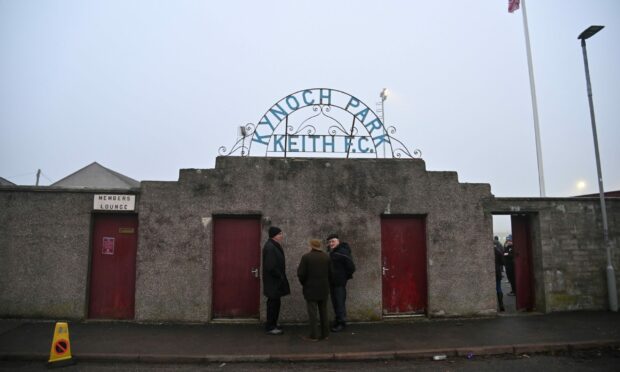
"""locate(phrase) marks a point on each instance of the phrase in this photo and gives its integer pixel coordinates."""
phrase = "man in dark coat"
(499, 263)
(343, 268)
(314, 273)
(509, 263)
(275, 283)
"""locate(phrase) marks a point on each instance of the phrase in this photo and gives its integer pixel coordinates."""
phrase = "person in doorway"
(315, 273)
(498, 249)
(509, 263)
(343, 269)
(275, 283)
(497, 245)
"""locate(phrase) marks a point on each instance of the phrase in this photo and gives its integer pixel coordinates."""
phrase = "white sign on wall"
(113, 202)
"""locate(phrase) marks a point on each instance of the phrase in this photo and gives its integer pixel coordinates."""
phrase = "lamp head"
(384, 94)
(589, 32)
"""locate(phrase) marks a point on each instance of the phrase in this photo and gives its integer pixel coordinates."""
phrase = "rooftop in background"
(613, 194)
(5, 182)
(95, 175)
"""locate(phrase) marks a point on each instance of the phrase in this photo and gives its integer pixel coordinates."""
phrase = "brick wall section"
(569, 254)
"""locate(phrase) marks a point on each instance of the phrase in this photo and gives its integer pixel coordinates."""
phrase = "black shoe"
(338, 328)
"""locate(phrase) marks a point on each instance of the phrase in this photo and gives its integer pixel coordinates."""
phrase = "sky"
(146, 88)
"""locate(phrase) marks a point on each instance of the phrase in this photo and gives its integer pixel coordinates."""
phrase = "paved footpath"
(419, 338)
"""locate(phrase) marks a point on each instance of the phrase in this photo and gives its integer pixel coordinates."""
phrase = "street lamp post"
(383, 95)
(611, 276)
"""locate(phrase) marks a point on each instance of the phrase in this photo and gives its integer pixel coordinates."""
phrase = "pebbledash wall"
(45, 237)
(309, 198)
(45, 251)
(569, 256)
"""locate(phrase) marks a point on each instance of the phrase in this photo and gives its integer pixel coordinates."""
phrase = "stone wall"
(45, 237)
(44, 252)
(309, 198)
(568, 249)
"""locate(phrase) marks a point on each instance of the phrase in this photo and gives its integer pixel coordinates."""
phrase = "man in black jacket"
(343, 268)
(275, 283)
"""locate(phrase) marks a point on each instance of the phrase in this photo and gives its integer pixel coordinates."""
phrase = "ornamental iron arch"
(305, 122)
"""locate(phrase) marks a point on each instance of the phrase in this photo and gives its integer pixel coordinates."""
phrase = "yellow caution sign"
(61, 346)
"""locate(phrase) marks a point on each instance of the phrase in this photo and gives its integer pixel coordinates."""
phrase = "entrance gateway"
(308, 198)
(327, 122)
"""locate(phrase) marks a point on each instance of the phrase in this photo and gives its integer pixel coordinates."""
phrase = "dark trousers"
(321, 306)
(339, 298)
(273, 312)
(510, 273)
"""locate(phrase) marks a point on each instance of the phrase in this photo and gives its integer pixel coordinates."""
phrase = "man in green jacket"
(315, 273)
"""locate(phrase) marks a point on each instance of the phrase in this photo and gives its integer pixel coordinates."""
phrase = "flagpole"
(541, 176)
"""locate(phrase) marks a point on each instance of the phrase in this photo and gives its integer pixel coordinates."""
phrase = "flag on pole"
(513, 5)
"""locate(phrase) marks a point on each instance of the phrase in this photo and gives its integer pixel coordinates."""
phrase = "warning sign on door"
(108, 245)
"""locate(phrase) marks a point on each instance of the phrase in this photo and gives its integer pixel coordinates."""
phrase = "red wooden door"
(524, 278)
(403, 257)
(113, 266)
(236, 264)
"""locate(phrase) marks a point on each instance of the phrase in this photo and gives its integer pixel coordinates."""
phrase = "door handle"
(384, 269)
(255, 272)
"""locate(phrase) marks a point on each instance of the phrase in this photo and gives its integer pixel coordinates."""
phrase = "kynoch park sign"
(319, 122)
